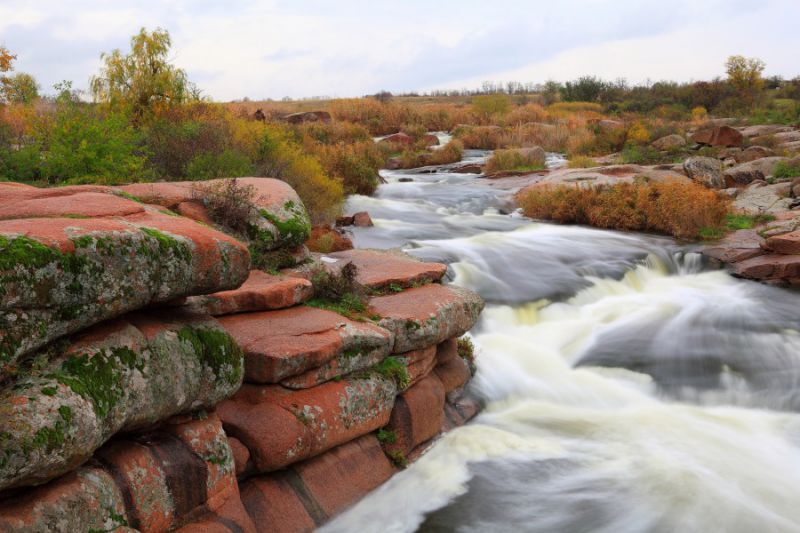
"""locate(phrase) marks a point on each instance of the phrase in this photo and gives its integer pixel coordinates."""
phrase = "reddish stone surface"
(76, 501)
(771, 266)
(418, 415)
(340, 477)
(281, 427)
(427, 315)
(273, 505)
(230, 516)
(447, 350)
(738, 246)
(719, 136)
(325, 240)
(788, 243)
(285, 343)
(261, 292)
(378, 270)
(82, 204)
(459, 410)
(398, 138)
(241, 455)
(362, 220)
(194, 210)
(420, 363)
(430, 140)
(454, 374)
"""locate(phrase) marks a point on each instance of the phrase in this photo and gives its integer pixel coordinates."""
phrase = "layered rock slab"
(119, 376)
(281, 346)
(277, 216)
(380, 270)
(261, 292)
(280, 427)
(425, 316)
(59, 274)
(156, 481)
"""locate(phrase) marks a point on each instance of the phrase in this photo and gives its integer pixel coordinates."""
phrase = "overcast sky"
(299, 48)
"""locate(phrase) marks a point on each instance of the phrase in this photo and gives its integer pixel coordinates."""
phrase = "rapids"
(627, 386)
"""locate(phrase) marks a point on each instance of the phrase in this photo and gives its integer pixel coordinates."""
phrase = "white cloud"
(261, 48)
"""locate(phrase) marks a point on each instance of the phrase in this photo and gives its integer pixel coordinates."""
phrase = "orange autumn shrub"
(683, 210)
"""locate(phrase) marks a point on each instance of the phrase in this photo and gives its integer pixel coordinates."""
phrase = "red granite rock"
(719, 136)
(380, 269)
(769, 267)
(447, 350)
(417, 416)
(454, 373)
(419, 363)
(241, 455)
(286, 343)
(280, 427)
(427, 315)
(737, 246)
(788, 243)
(273, 505)
(340, 477)
(261, 292)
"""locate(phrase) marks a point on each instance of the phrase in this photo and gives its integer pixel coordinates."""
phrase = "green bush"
(228, 164)
(87, 146)
(787, 169)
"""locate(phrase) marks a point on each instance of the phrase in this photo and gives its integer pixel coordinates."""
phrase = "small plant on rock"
(339, 292)
(229, 203)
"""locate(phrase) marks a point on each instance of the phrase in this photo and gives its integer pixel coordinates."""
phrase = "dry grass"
(513, 160)
(685, 211)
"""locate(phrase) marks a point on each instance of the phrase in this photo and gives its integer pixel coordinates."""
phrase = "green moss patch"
(217, 350)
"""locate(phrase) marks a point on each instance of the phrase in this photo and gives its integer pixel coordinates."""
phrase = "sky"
(303, 48)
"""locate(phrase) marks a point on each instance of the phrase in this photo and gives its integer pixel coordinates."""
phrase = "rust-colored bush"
(685, 211)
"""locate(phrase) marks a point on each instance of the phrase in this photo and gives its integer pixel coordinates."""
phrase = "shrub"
(339, 292)
(514, 160)
(228, 164)
(641, 155)
(787, 169)
(355, 165)
(452, 152)
(638, 134)
(685, 211)
(575, 107)
(490, 105)
(480, 137)
(85, 146)
(581, 161)
(229, 203)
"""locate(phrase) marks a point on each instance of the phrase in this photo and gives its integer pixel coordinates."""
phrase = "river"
(627, 386)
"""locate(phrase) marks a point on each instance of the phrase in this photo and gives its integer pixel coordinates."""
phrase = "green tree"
(142, 81)
(21, 88)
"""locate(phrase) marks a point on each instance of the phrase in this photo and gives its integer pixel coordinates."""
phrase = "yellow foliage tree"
(142, 81)
(744, 74)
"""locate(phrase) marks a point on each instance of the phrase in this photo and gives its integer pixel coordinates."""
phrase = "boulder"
(610, 125)
(788, 136)
(420, 363)
(669, 142)
(746, 173)
(324, 239)
(718, 136)
(272, 502)
(308, 116)
(705, 170)
(362, 220)
(118, 376)
(427, 315)
(398, 138)
(737, 246)
(453, 374)
(787, 243)
(468, 168)
(763, 130)
(280, 427)
(777, 267)
(260, 292)
(751, 153)
(61, 272)
(430, 140)
(284, 344)
(758, 198)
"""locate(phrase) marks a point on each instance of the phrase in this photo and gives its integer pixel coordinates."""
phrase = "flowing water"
(627, 386)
